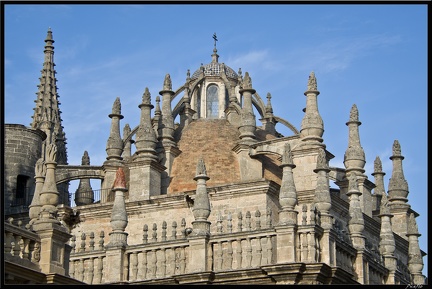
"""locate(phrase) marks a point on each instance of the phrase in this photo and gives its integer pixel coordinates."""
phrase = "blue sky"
(374, 56)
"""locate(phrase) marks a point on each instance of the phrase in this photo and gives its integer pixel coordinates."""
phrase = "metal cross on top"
(215, 39)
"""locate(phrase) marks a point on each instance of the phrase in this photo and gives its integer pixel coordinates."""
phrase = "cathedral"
(203, 189)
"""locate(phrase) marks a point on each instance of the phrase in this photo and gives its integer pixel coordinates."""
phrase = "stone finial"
(396, 148)
(126, 131)
(119, 218)
(322, 197)
(120, 179)
(167, 82)
(40, 169)
(35, 206)
(398, 186)
(321, 160)
(352, 183)
(116, 108)
(354, 114)
(269, 108)
(85, 160)
(415, 259)
(188, 75)
(51, 152)
(158, 109)
(412, 226)
(377, 165)
(384, 207)
(247, 81)
(201, 169)
(287, 155)
(288, 192)
(356, 221)
(201, 208)
(354, 157)
(312, 82)
(146, 98)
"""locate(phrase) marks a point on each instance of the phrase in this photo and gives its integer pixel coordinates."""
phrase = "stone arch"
(66, 173)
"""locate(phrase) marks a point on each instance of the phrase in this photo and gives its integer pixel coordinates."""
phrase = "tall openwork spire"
(46, 115)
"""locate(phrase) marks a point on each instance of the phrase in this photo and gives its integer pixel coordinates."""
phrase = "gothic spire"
(398, 186)
(415, 259)
(46, 115)
(312, 126)
(201, 208)
(379, 182)
(119, 218)
(354, 157)
(387, 245)
(247, 126)
(322, 197)
(114, 147)
(288, 192)
(145, 141)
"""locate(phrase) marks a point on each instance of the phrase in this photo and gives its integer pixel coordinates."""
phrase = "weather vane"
(215, 39)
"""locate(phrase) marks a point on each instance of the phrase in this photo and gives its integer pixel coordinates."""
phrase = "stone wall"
(22, 149)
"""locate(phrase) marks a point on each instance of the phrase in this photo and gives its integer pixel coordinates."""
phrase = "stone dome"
(216, 69)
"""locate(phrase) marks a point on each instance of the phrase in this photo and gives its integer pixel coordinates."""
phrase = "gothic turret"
(201, 208)
(354, 158)
(312, 126)
(248, 125)
(356, 221)
(288, 193)
(167, 136)
(145, 141)
(127, 141)
(322, 192)
(379, 183)
(114, 147)
(114, 150)
(119, 219)
(145, 166)
(35, 206)
(354, 161)
(398, 186)
(387, 245)
(415, 259)
(398, 192)
(269, 121)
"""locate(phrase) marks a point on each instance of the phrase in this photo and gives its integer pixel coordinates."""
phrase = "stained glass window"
(212, 101)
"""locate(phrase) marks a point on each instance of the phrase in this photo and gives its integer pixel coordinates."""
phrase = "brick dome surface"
(213, 140)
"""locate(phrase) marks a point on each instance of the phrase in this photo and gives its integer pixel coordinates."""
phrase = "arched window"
(21, 191)
(212, 101)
